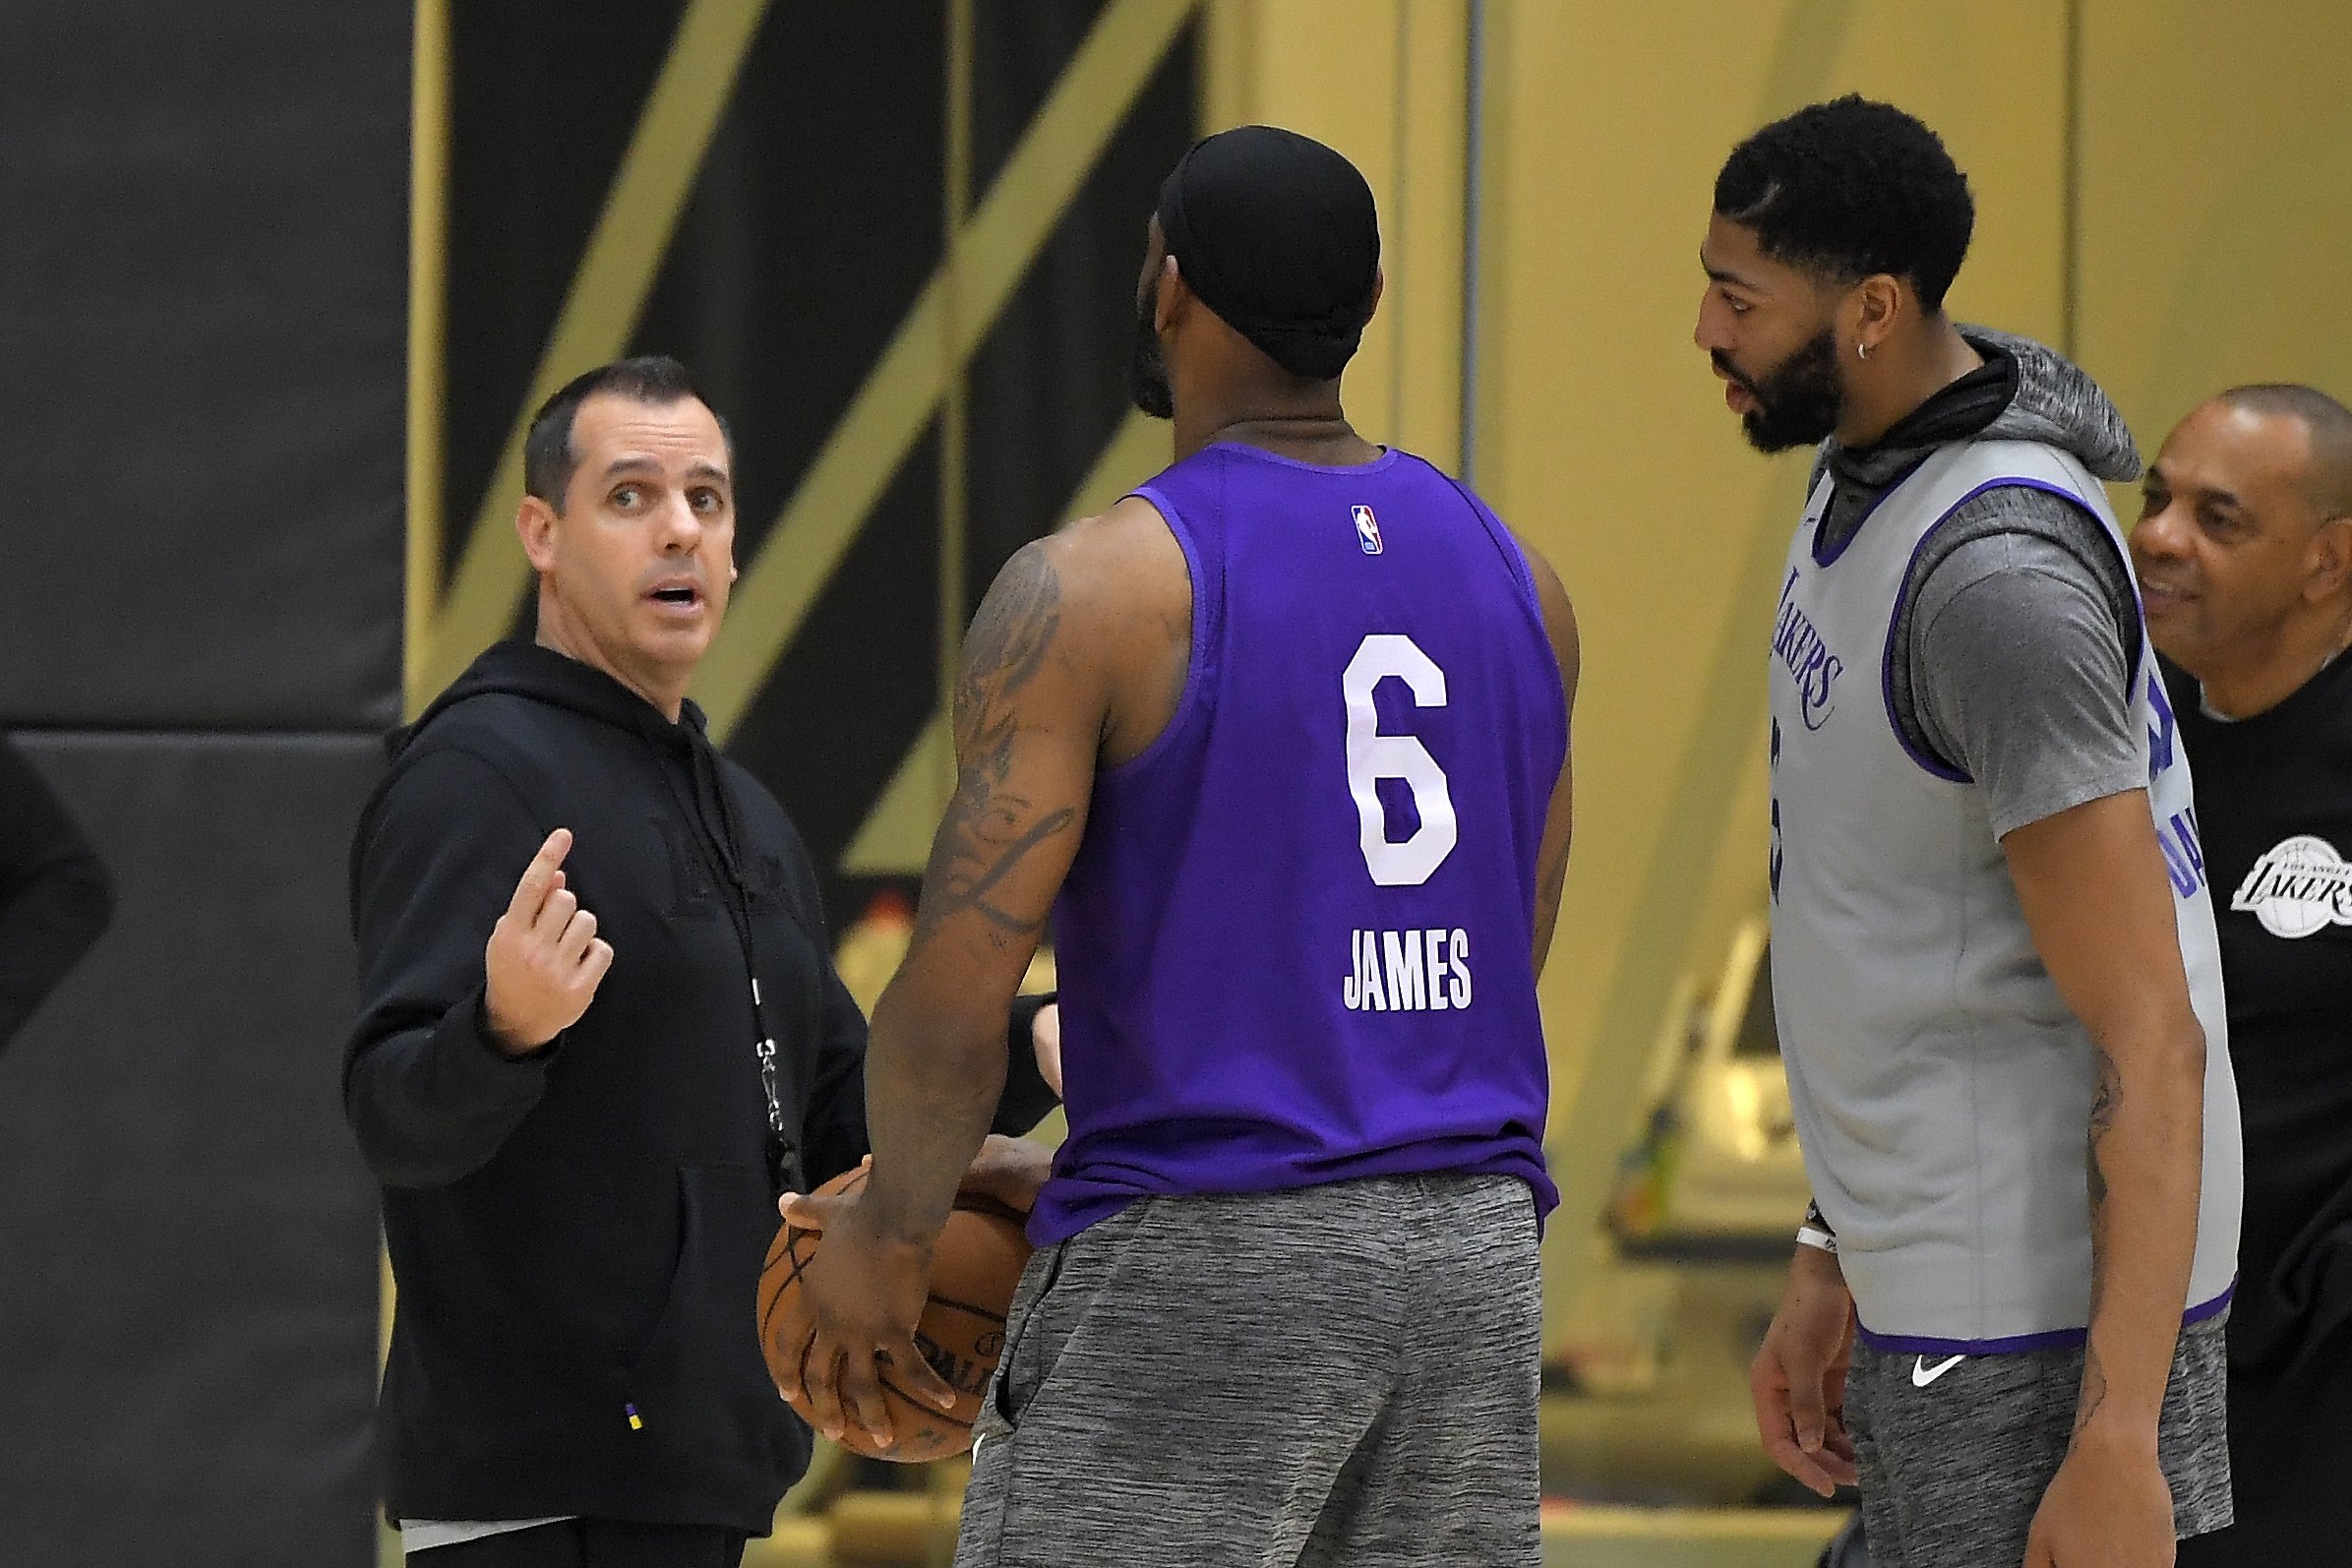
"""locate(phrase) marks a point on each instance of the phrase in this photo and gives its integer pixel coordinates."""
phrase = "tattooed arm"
(2092, 885)
(1551, 857)
(1066, 663)
(1029, 708)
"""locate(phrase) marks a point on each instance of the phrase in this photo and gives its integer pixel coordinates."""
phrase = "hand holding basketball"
(544, 959)
(974, 1269)
(859, 1300)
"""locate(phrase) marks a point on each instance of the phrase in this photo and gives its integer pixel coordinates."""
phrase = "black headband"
(1277, 234)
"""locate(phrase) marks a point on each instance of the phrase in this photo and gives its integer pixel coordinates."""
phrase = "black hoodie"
(576, 1236)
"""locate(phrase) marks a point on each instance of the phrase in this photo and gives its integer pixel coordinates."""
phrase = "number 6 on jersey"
(1374, 756)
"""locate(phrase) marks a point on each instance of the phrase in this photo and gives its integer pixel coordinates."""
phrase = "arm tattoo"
(990, 827)
(2094, 1388)
(2105, 1099)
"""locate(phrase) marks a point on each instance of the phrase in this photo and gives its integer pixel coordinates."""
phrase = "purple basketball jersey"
(1295, 943)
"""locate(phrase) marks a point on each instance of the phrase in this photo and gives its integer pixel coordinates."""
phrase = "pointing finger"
(539, 877)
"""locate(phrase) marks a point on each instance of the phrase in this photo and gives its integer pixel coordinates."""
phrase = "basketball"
(974, 1271)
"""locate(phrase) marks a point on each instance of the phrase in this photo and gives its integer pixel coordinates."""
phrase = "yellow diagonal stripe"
(887, 416)
(608, 295)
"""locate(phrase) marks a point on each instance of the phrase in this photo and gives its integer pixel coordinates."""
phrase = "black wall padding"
(206, 256)
(188, 1278)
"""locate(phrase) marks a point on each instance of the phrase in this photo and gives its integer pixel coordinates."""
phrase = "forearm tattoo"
(990, 827)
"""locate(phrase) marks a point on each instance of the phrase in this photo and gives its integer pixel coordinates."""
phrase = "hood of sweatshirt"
(527, 670)
(2057, 403)
(2024, 391)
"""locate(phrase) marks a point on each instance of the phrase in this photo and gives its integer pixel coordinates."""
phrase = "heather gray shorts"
(1341, 1374)
(1954, 1469)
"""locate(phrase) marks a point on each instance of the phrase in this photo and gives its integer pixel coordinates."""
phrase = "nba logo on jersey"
(1368, 529)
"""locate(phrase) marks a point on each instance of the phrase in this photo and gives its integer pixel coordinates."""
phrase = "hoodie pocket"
(699, 1363)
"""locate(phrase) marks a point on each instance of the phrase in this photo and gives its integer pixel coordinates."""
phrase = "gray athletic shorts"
(1953, 1467)
(1339, 1374)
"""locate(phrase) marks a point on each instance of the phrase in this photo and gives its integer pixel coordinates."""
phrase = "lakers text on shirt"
(1406, 971)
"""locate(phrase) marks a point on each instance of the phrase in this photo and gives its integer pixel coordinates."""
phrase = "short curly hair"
(1849, 189)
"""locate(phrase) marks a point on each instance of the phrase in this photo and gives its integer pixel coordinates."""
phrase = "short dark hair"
(548, 460)
(1849, 189)
(2329, 425)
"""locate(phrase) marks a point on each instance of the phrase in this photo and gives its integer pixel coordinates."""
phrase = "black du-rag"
(1277, 234)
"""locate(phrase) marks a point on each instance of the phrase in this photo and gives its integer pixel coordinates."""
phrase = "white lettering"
(2299, 886)
(1405, 983)
(1423, 970)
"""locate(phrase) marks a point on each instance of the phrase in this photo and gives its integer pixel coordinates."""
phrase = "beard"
(1147, 368)
(1798, 403)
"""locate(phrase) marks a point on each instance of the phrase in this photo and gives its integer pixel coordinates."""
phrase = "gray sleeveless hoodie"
(1942, 1088)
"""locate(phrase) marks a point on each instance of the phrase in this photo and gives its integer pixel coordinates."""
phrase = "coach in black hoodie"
(563, 896)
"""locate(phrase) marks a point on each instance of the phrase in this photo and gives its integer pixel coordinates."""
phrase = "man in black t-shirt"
(2244, 551)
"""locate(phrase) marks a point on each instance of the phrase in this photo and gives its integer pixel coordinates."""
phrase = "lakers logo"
(2299, 886)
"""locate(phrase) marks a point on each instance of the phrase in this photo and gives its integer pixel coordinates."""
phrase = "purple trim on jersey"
(1515, 556)
(2064, 1338)
(1928, 761)
(1205, 603)
(1855, 532)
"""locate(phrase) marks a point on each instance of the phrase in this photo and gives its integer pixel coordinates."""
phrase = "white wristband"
(1808, 1235)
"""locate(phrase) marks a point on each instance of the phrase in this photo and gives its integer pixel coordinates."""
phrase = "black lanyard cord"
(717, 846)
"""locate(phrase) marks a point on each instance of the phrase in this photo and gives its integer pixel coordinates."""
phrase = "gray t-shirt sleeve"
(2019, 677)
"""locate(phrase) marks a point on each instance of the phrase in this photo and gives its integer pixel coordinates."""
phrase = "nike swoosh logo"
(1923, 1375)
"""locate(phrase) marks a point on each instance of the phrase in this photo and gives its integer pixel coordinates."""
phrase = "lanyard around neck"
(718, 848)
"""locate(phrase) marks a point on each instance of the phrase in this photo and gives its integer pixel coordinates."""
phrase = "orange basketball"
(974, 1270)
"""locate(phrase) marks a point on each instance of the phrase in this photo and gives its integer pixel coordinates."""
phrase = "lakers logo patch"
(2299, 885)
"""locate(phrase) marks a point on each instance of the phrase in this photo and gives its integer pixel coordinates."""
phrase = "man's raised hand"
(545, 960)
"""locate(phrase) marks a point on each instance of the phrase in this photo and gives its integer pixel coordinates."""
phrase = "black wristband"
(1027, 1097)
